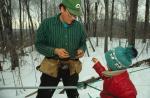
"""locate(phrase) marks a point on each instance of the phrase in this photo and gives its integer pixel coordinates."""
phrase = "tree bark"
(41, 10)
(46, 8)
(95, 22)
(21, 33)
(31, 22)
(146, 23)
(106, 2)
(7, 24)
(112, 20)
(88, 16)
(132, 22)
(1, 69)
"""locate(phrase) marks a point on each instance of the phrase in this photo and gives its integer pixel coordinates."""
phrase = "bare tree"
(2, 41)
(126, 16)
(146, 24)
(106, 2)
(7, 28)
(23, 16)
(41, 10)
(87, 21)
(1, 69)
(87, 16)
(45, 8)
(20, 21)
(95, 21)
(26, 2)
(132, 21)
(99, 29)
(2, 34)
(112, 20)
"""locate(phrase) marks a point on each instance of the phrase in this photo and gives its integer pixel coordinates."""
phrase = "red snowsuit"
(119, 86)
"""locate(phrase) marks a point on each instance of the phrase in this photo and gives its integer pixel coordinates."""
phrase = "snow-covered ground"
(29, 76)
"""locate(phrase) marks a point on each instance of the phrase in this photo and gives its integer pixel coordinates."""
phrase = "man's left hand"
(80, 53)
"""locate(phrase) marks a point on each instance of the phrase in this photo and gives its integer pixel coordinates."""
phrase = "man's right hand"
(62, 53)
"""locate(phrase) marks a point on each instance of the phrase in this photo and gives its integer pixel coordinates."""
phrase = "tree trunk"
(1, 69)
(132, 22)
(112, 20)
(41, 10)
(31, 22)
(2, 44)
(23, 18)
(54, 7)
(95, 22)
(7, 24)
(21, 33)
(106, 2)
(2, 34)
(85, 14)
(126, 18)
(46, 8)
(87, 24)
(20, 21)
(146, 24)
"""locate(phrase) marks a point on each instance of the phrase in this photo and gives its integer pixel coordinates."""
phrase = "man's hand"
(62, 53)
(94, 60)
(80, 53)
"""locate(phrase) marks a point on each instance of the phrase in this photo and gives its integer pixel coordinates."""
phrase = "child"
(117, 83)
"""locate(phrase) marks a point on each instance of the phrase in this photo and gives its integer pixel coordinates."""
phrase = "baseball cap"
(73, 6)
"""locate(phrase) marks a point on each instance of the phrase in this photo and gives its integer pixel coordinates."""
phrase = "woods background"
(19, 20)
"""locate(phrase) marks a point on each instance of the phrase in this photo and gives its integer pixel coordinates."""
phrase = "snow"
(31, 77)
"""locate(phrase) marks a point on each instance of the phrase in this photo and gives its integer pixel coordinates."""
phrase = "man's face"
(67, 16)
(71, 15)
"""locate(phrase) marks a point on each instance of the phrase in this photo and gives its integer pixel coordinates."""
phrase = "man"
(62, 40)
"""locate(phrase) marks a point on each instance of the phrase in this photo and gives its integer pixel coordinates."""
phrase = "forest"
(19, 20)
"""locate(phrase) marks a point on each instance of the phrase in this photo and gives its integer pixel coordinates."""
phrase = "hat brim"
(75, 12)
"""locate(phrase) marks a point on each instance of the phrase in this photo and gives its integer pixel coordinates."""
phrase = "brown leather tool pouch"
(49, 67)
(75, 66)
